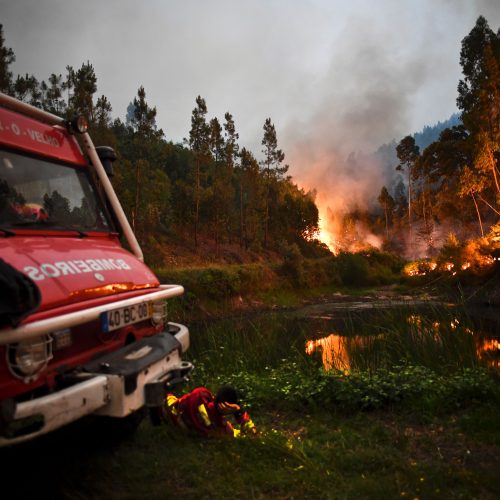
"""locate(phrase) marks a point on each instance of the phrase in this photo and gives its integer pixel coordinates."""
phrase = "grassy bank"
(217, 290)
(329, 449)
(299, 454)
(415, 415)
(463, 275)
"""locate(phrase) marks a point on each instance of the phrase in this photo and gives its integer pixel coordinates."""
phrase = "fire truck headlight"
(28, 358)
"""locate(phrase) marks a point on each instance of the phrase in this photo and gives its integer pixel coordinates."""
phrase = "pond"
(355, 335)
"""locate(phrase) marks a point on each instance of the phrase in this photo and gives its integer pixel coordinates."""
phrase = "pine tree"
(199, 141)
(52, 95)
(84, 85)
(143, 120)
(7, 57)
(27, 89)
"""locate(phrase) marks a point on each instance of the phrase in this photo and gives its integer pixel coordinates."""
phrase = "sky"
(334, 76)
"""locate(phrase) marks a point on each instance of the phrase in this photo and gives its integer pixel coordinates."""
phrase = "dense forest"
(205, 191)
(210, 193)
(452, 184)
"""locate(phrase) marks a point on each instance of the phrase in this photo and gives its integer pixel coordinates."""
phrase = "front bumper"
(115, 385)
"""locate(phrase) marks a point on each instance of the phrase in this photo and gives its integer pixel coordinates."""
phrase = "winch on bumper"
(116, 385)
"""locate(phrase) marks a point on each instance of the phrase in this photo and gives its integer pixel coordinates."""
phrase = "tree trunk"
(197, 204)
(478, 214)
(136, 201)
(409, 213)
(386, 224)
(241, 215)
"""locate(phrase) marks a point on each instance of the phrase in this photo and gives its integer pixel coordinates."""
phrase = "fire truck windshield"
(39, 194)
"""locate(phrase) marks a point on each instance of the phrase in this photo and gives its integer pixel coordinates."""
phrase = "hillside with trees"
(208, 199)
(447, 186)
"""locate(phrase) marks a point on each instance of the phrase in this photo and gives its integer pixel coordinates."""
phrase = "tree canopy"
(205, 189)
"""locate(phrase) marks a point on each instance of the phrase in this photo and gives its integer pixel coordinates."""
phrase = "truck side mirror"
(107, 156)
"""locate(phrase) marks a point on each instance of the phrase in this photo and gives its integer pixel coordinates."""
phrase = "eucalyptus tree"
(199, 142)
(408, 153)
(218, 195)
(479, 97)
(250, 200)
(231, 157)
(440, 166)
(272, 169)
(146, 186)
(472, 182)
(387, 203)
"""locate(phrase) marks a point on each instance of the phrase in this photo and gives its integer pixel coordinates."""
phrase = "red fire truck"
(83, 326)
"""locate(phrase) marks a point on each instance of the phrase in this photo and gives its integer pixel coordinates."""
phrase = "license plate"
(123, 316)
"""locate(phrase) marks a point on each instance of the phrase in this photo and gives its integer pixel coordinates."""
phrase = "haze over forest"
(247, 196)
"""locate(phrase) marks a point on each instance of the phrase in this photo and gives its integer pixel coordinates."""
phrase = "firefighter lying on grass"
(200, 411)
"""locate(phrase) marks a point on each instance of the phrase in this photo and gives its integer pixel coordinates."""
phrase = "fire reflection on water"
(333, 351)
(337, 350)
(490, 350)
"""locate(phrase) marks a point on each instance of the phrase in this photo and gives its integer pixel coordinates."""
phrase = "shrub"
(218, 283)
(293, 265)
(256, 277)
(353, 269)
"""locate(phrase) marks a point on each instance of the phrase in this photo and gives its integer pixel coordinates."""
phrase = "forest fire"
(473, 257)
(328, 238)
(340, 232)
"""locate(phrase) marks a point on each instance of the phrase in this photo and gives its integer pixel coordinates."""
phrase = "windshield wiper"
(51, 225)
(81, 234)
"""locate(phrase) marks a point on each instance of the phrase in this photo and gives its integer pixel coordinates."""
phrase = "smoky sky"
(334, 76)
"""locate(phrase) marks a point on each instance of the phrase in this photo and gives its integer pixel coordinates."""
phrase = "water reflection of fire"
(335, 348)
(333, 351)
(490, 350)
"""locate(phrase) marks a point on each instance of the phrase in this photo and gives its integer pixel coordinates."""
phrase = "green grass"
(392, 426)
(306, 453)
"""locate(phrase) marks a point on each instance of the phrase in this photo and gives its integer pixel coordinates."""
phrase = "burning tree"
(479, 98)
